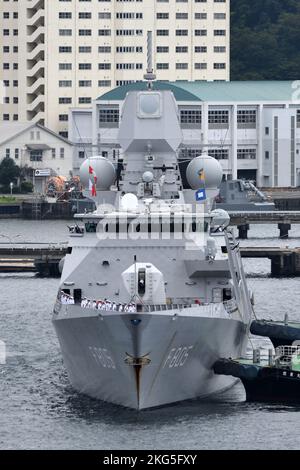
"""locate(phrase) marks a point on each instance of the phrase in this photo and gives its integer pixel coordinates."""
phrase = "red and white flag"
(92, 181)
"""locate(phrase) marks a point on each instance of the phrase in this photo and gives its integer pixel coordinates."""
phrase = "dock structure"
(44, 259)
(284, 261)
(283, 219)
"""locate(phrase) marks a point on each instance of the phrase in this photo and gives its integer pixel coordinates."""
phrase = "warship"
(152, 291)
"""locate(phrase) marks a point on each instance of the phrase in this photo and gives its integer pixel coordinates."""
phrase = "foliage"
(265, 38)
(26, 187)
(9, 172)
(7, 199)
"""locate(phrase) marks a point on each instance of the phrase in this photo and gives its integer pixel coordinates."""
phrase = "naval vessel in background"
(152, 290)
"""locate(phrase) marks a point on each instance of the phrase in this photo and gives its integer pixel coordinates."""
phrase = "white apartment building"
(57, 54)
(252, 128)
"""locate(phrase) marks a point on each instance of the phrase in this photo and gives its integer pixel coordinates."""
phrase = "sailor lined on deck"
(66, 299)
(107, 305)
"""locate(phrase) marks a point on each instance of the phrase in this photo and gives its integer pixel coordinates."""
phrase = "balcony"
(37, 36)
(35, 87)
(37, 104)
(37, 53)
(37, 70)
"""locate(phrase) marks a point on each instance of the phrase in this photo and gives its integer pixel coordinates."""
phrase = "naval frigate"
(152, 290)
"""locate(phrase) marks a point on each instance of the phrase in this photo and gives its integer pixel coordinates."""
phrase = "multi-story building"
(57, 54)
(252, 128)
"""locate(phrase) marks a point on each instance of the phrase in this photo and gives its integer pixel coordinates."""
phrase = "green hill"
(265, 39)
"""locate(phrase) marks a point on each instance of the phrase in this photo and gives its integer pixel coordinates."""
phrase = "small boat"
(276, 379)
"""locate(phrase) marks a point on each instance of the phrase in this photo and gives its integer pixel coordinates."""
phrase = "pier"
(40, 258)
(283, 219)
(44, 259)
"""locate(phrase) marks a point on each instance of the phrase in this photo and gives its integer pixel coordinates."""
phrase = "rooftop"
(256, 91)
(10, 130)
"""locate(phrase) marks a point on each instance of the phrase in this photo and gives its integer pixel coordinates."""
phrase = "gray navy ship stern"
(153, 290)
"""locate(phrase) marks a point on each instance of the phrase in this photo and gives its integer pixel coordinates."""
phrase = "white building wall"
(61, 164)
(244, 144)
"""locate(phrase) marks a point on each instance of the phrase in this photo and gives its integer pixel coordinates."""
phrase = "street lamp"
(11, 187)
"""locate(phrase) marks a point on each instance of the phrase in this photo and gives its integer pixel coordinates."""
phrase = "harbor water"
(40, 410)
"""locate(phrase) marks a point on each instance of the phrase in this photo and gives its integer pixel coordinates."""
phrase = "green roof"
(213, 91)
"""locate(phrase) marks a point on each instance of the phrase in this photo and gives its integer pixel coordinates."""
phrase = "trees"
(265, 37)
(9, 172)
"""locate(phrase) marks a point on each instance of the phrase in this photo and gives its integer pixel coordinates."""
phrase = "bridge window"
(91, 227)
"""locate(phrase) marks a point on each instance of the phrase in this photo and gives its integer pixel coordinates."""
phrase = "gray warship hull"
(146, 360)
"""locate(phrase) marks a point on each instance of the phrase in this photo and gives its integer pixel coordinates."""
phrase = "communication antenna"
(149, 75)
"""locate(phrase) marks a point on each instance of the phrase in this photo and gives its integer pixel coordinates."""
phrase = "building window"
(246, 154)
(162, 49)
(267, 155)
(81, 154)
(17, 152)
(36, 155)
(53, 151)
(104, 83)
(182, 66)
(218, 119)
(162, 66)
(85, 100)
(189, 153)
(298, 118)
(267, 130)
(219, 154)
(62, 153)
(108, 116)
(190, 118)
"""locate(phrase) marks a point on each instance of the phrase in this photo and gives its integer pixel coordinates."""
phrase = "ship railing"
(230, 306)
(208, 309)
(285, 354)
(162, 307)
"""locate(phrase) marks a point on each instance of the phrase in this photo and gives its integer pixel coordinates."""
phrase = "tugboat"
(276, 380)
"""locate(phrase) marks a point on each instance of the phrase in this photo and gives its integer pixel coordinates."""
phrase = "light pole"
(11, 187)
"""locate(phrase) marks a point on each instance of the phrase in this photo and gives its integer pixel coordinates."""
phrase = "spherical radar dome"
(204, 172)
(102, 168)
(148, 177)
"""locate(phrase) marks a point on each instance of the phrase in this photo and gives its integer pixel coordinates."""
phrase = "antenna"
(149, 76)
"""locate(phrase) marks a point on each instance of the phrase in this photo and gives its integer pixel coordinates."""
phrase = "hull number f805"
(177, 357)
(102, 357)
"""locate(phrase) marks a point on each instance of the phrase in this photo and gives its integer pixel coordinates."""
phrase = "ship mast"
(149, 75)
